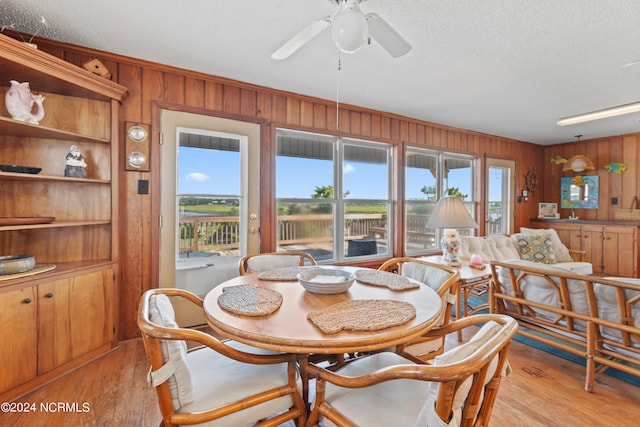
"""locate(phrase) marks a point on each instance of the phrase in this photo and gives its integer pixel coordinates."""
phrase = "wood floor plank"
(542, 391)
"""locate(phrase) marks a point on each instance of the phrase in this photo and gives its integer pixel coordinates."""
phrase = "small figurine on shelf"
(20, 101)
(76, 166)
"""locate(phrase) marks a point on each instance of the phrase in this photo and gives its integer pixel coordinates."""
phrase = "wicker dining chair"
(458, 389)
(272, 260)
(218, 383)
(441, 279)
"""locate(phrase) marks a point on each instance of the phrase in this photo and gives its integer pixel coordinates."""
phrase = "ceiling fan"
(351, 29)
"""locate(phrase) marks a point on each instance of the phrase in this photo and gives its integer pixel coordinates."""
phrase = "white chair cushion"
(459, 353)
(173, 351)
(433, 277)
(221, 380)
(271, 262)
(560, 250)
(399, 402)
(391, 403)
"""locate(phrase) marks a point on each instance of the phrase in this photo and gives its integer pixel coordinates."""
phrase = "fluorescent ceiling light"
(600, 114)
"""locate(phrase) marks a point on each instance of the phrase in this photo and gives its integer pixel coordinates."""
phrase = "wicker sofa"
(540, 245)
(592, 317)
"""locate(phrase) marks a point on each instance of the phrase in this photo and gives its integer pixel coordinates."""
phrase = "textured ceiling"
(503, 67)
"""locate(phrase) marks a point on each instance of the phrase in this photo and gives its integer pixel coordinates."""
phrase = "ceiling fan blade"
(386, 36)
(302, 38)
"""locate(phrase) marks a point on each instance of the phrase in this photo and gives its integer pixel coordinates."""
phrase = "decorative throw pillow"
(536, 248)
(559, 249)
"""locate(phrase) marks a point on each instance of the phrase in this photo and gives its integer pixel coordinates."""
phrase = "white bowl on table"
(325, 280)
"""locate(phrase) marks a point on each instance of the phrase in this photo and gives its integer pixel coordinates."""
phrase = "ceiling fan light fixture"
(350, 30)
(600, 114)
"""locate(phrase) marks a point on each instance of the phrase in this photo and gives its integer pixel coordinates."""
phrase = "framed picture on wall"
(548, 210)
(579, 192)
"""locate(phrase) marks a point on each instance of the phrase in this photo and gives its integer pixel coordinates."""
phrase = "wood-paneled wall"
(602, 151)
(155, 86)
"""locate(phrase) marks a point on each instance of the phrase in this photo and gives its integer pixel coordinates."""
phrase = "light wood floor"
(542, 391)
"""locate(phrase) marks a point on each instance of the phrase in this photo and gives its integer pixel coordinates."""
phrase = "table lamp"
(450, 214)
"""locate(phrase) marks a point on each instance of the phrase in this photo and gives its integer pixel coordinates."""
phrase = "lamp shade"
(350, 30)
(450, 212)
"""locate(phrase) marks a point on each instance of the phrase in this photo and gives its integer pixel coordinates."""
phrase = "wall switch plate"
(143, 186)
(614, 200)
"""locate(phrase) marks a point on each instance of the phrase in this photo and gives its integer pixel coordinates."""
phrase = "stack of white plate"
(326, 281)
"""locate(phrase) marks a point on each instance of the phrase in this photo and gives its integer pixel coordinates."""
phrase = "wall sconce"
(578, 163)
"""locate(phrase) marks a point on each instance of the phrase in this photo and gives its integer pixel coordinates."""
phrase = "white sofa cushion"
(608, 306)
(538, 289)
(470, 245)
(505, 247)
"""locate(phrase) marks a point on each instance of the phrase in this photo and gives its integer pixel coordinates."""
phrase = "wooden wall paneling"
(404, 131)
(609, 183)
(319, 116)
(343, 121)
(421, 134)
(280, 109)
(332, 118)
(174, 88)
(231, 99)
(365, 125)
(631, 157)
(306, 113)
(376, 126)
(263, 105)
(194, 93)
(248, 102)
(385, 127)
(293, 111)
(134, 227)
(213, 96)
(355, 123)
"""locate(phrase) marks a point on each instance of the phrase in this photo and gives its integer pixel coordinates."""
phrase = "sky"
(217, 172)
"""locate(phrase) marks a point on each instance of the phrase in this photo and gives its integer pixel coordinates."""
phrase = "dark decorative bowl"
(20, 169)
(13, 264)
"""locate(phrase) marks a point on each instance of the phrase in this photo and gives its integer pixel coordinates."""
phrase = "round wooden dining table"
(288, 329)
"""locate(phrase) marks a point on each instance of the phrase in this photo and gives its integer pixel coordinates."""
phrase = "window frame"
(340, 201)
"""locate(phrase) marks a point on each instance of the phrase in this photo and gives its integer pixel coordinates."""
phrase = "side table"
(472, 281)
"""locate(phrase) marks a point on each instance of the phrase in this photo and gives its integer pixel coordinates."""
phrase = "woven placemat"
(281, 274)
(249, 300)
(39, 268)
(392, 281)
(362, 316)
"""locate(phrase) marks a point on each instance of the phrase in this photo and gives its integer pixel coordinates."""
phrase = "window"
(209, 192)
(333, 195)
(430, 175)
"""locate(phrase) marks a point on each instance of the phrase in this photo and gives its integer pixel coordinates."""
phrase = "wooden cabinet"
(65, 315)
(52, 326)
(612, 249)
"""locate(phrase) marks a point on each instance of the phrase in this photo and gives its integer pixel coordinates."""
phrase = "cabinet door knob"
(49, 295)
(27, 301)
